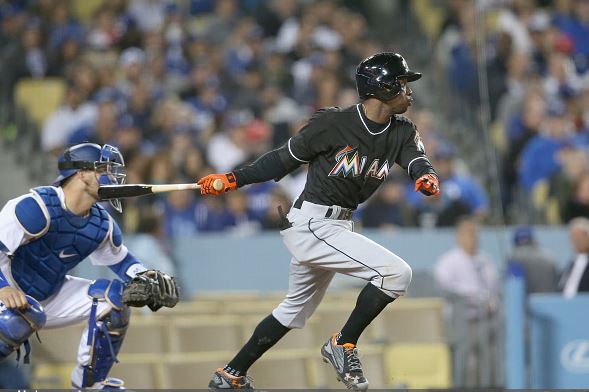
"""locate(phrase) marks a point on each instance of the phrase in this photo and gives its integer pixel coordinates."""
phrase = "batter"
(350, 152)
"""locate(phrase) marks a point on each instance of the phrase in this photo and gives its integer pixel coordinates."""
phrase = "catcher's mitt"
(152, 288)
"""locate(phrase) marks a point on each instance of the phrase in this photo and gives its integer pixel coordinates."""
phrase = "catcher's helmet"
(378, 76)
(91, 156)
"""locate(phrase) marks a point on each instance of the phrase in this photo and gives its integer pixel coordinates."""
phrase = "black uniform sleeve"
(300, 149)
(413, 157)
(274, 164)
(312, 139)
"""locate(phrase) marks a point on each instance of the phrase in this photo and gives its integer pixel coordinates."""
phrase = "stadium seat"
(553, 212)
(284, 369)
(191, 308)
(139, 371)
(142, 329)
(192, 370)
(411, 320)
(39, 97)
(205, 333)
(57, 345)
(418, 365)
(430, 16)
(52, 376)
(260, 306)
(84, 10)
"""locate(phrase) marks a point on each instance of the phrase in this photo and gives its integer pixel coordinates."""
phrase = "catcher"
(46, 233)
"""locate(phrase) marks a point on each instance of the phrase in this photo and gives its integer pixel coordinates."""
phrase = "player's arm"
(299, 150)
(115, 255)
(414, 159)
(274, 164)
(21, 219)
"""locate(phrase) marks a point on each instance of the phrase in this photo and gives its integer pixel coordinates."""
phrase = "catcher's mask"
(107, 160)
(378, 76)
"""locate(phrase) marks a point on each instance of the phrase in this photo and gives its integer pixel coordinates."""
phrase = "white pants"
(70, 305)
(320, 247)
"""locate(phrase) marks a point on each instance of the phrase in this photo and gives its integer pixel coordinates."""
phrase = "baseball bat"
(106, 192)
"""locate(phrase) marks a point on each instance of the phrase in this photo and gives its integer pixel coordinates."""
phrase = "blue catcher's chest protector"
(39, 267)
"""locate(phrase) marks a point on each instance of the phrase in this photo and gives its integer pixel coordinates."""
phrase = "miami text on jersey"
(349, 162)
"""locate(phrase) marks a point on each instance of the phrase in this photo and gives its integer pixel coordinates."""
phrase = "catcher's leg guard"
(105, 332)
(16, 325)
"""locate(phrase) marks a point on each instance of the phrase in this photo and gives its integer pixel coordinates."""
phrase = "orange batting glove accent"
(207, 188)
(428, 184)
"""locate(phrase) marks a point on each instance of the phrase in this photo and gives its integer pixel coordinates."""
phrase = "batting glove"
(207, 186)
(428, 184)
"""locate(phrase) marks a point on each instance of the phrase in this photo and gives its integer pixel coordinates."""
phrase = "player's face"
(90, 179)
(401, 102)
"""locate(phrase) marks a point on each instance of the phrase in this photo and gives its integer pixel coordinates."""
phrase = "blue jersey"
(45, 241)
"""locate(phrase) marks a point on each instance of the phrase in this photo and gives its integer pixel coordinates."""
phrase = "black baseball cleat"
(345, 361)
(223, 380)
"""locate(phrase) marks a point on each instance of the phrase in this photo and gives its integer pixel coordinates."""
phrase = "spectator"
(571, 187)
(132, 61)
(520, 129)
(272, 219)
(25, 59)
(75, 113)
(575, 278)
(462, 194)
(149, 243)
(240, 220)
(105, 33)
(225, 150)
(539, 158)
(470, 279)
(467, 272)
(576, 28)
(212, 216)
(538, 265)
(179, 214)
(388, 208)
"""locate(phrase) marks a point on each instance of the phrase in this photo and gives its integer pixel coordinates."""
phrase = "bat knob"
(218, 184)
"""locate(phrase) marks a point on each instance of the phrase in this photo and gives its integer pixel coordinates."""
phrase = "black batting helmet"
(378, 76)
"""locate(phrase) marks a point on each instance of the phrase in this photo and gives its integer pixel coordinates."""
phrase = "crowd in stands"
(537, 69)
(186, 88)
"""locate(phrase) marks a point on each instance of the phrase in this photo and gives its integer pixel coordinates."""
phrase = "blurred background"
(189, 87)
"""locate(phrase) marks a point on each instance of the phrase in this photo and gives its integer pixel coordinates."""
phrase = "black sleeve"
(274, 164)
(413, 157)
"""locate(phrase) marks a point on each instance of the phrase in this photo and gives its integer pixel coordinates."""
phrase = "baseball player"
(350, 152)
(46, 233)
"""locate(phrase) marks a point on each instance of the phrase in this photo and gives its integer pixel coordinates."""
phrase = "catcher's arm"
(152, 288)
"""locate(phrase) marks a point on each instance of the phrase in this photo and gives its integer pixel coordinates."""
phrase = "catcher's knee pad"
(396, 281)
(16, 325)
(106, 331)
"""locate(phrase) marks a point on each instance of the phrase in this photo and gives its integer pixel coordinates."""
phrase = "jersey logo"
(350, 163)
(63, 255)
(376, 172)
(347, 164)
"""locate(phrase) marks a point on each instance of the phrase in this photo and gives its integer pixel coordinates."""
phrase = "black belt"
(345, 213)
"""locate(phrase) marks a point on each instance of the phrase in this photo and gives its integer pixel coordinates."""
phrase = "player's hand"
(207, 188)
(13, 298)
(428, 184)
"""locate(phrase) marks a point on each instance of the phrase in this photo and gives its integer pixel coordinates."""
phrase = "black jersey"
(349, 156)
